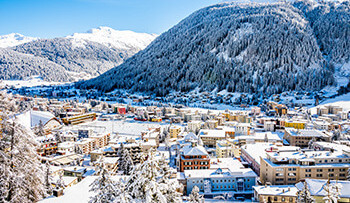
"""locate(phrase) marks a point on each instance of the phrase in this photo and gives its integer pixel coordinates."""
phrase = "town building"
(193, 156)
(225, 176)
(301, 138)
(174, 131)
(275, 193)
(285, 168)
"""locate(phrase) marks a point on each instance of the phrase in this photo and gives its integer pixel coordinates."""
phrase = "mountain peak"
(14, 39)
(115, 38)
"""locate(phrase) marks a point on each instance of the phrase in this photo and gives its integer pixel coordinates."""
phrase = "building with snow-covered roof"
(288, 167)
(193, 156)
(64, 148)
(31, 119)
(301, 137)
(318, 192)
(210, 137)
(225, 176)
(47, 145)
(275, 193)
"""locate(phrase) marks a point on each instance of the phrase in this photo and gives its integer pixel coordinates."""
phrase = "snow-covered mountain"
(260, 49)
(114, 39)
(89, 54)
(14, 39)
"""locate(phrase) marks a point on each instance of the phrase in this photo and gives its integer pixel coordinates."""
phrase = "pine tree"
(48, 179)
(150, 181)
(126, 162)
(333, 192)
(105, 188)
(21, 177)
(195, 197)
(304, 195)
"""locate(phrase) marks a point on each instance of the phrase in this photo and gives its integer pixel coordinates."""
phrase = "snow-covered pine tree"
(304, 195)
(48, 180)
(21, 177)
(40, 131)
(149, 182)
(195, 197)
(122, 194)
(103, 186)
(333, 192)
(126, 163)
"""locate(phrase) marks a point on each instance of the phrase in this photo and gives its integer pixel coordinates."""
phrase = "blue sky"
(57, 18)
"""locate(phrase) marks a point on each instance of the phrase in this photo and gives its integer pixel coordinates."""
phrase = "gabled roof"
(188, 150)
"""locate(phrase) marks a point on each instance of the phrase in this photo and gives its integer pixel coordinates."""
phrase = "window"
(307, 175)
(308, 170)
(331, 175)
(283, 199)
(342, 169)
(319, 175)
(279, 169)
(331, 170)
(275, 199)
(291, 199)
(341, 175)
(319, 170)
(292, 174)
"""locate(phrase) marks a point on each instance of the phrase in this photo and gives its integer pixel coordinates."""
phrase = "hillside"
(88, 54)
(252, 48)
(14, 65)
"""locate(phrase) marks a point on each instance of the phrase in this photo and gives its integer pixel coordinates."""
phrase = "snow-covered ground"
(29, 82)
(122, 127)
(342, 101)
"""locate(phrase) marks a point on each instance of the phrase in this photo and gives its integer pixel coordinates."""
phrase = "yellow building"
(174, 131)
(227, 149)
(295, 124)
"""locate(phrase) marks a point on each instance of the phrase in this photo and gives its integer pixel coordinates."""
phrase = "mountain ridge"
(253, 48)
(77, 53)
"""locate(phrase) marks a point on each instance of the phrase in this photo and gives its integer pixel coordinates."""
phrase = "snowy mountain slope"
(14, 39)
(86, 54)
(93, 58)
(14, 65)
(253, 48)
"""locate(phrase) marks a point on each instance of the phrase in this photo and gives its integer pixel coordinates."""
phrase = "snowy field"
(29, 82)
(342, 101)
(128, 127)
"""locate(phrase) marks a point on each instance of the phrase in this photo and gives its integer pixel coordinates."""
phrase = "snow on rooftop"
(31, 119)
(188, 150)
(316, 187)
(282, 190)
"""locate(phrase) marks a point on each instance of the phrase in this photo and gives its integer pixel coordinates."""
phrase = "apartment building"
(285, 168)
(301, 138)
(101, 139)
(86, 145)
